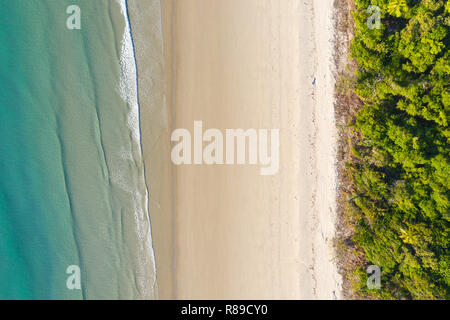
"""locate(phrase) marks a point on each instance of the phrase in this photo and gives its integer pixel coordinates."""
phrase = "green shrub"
(402, 186)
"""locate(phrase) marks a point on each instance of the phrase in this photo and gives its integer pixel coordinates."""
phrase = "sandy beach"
(225, 231)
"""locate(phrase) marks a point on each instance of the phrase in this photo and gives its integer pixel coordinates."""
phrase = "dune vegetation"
(397, 200)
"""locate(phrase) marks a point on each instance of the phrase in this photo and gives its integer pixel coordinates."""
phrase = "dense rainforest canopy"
(401, 180)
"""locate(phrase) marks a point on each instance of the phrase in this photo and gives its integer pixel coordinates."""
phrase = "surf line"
(235, 143)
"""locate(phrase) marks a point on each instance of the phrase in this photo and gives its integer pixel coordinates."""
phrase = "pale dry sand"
(226, 231)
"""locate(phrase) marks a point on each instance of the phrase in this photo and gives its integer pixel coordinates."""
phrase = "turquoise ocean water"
(72, 189)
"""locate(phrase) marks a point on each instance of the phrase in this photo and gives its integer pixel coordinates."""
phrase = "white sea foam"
(128, 81)
(128, 89)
